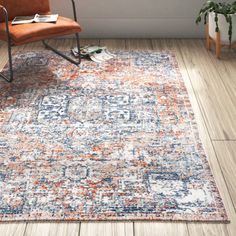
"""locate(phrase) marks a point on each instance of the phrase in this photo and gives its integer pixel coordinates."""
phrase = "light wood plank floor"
(211, 85)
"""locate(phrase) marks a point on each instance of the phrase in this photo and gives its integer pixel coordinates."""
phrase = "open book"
(37, 19)
(97, 54)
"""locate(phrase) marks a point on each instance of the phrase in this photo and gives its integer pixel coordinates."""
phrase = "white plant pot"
(223, 27)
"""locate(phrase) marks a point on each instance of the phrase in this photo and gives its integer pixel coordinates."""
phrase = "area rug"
(110, 141)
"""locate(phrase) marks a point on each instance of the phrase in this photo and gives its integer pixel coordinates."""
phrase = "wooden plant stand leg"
(208, 39)
(218, 44)
(233, 45)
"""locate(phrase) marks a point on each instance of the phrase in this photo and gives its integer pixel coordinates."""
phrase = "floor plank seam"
(188, 229)
(26, 225)
(223, 140)
(79, 229)
(133, 228)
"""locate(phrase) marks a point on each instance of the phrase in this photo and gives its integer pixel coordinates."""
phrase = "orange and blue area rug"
(110, 141)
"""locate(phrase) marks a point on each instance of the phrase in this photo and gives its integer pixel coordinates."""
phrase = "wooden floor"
(211, 85)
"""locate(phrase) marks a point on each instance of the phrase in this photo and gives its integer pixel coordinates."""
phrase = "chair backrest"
(24, 8)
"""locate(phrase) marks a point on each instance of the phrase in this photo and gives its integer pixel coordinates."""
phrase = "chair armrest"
(2, 8)
(74, 10)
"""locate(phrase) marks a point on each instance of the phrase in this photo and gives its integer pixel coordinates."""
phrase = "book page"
(23, 20)
(45, 18)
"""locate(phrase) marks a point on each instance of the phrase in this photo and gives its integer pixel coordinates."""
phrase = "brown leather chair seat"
(25, 33)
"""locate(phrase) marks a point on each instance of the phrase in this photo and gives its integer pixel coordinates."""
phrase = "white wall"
(134, 18)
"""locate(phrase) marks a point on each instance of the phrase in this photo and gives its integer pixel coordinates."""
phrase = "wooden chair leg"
(218, 44)
(208, 40)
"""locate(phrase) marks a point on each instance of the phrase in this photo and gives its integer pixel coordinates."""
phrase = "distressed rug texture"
(111, 141)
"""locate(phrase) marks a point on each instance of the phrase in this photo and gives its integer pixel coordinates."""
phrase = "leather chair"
(27, 33)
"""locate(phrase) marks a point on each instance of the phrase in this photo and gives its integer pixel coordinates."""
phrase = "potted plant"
(220, 19)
